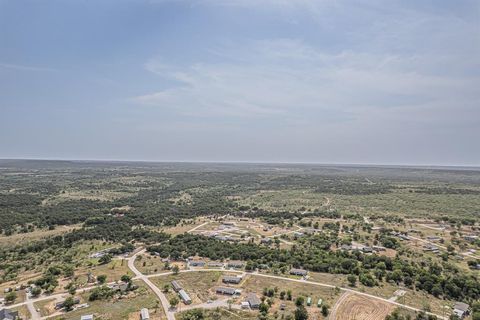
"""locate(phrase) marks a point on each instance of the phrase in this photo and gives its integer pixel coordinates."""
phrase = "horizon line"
(251, 162)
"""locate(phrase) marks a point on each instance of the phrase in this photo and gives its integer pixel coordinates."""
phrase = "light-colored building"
(253, 301)
(298, 272)
(144, 314)
(461, 309)
(87, 317)
(185, 297)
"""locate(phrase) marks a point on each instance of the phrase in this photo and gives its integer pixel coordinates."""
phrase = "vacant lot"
(357, 307)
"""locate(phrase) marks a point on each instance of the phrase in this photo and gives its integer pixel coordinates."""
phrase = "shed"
(144, 315)
(298, 272)
(253, 301)
(461, 309)
(185, 297)
(225, 290)
(232, 279)
(176, 286)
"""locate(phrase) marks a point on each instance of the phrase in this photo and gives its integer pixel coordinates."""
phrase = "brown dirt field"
(356, 307)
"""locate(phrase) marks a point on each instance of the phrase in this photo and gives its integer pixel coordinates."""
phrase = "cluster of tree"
(314, 255)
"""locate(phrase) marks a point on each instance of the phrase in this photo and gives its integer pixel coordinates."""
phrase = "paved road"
(138, 275)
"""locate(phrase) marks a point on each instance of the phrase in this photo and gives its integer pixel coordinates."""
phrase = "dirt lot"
(357, 307)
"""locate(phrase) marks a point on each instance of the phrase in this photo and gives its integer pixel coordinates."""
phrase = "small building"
(346, 247)
(235, 264)
(176, 286)
(266, 240)
(184, 296)
(215, 264)
(309, 301)
(226, 291)
(144, 314)
(196, 263)
(379, 248)
(319, 303)
(245, 305)
(298, 272)
(253, 301)
(470, 238)
(232, 279)
(367, 249)
(87, 317)
(461, 309)
(6, 314)
(283, 306)
(433, 238)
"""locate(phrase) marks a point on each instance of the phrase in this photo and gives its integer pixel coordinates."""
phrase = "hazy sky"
(394, 82)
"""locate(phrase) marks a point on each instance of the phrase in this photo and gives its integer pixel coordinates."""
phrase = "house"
(470, 238)
(6, 314)
(184, 296)
(433, 238)
(309, 301)
(232, 279)
(430, 247)
(266, 241)
(235, 264)
(367, 249)
(245, 305)
(461, 309)
(196, 263)
(346, 247)
(298, 272)
(87, 317)
(144, 315)
(379, 248)
(283, 306)
(319, 303)
(226, 291)
(214, 264)
(176, 286)
(253, 301)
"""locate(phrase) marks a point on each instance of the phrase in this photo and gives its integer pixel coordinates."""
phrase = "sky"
(365, 82)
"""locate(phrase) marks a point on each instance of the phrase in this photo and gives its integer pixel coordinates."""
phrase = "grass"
(22, 312)
(117, 309)
(196, 284)
(224, 314)
(148, 264)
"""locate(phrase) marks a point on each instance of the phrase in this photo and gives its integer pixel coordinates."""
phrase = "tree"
(175, 269)
(325, 310)
(68, 303)
(299, 301)
(301, 313)
(105, 259)
(174, 302)
(102, 278)
(126, 278)
(352, 280)
(36, 291)
(10, 297)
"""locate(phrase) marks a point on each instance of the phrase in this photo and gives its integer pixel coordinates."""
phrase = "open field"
(125, 308)
(356, 307)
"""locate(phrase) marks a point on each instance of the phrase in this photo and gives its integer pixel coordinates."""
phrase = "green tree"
(301, 313)
(102, 278)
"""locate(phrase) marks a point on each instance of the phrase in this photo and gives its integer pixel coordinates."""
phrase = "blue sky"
(388, 82)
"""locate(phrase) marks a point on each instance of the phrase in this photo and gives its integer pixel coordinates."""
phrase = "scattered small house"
(144, 315)
(245, 305)
(298, 234)
(319, 303)
(7, 290)
(367, 249)
(196, 263)
(379, 248)
(226, 291)
(309, 301)
(433, 238)
(431, 248)
(461, 309)
(232, 279)
(176, 286)
(6, 314)
(470, 238)
(266, 240)
(253, 301)
(235, 264)
(283, 306)
(214, 264)
(185, 297)
(87, 317)
(346, 247)
(298, 272)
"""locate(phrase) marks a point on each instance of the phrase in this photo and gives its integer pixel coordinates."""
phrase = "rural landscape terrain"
(217, 241)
